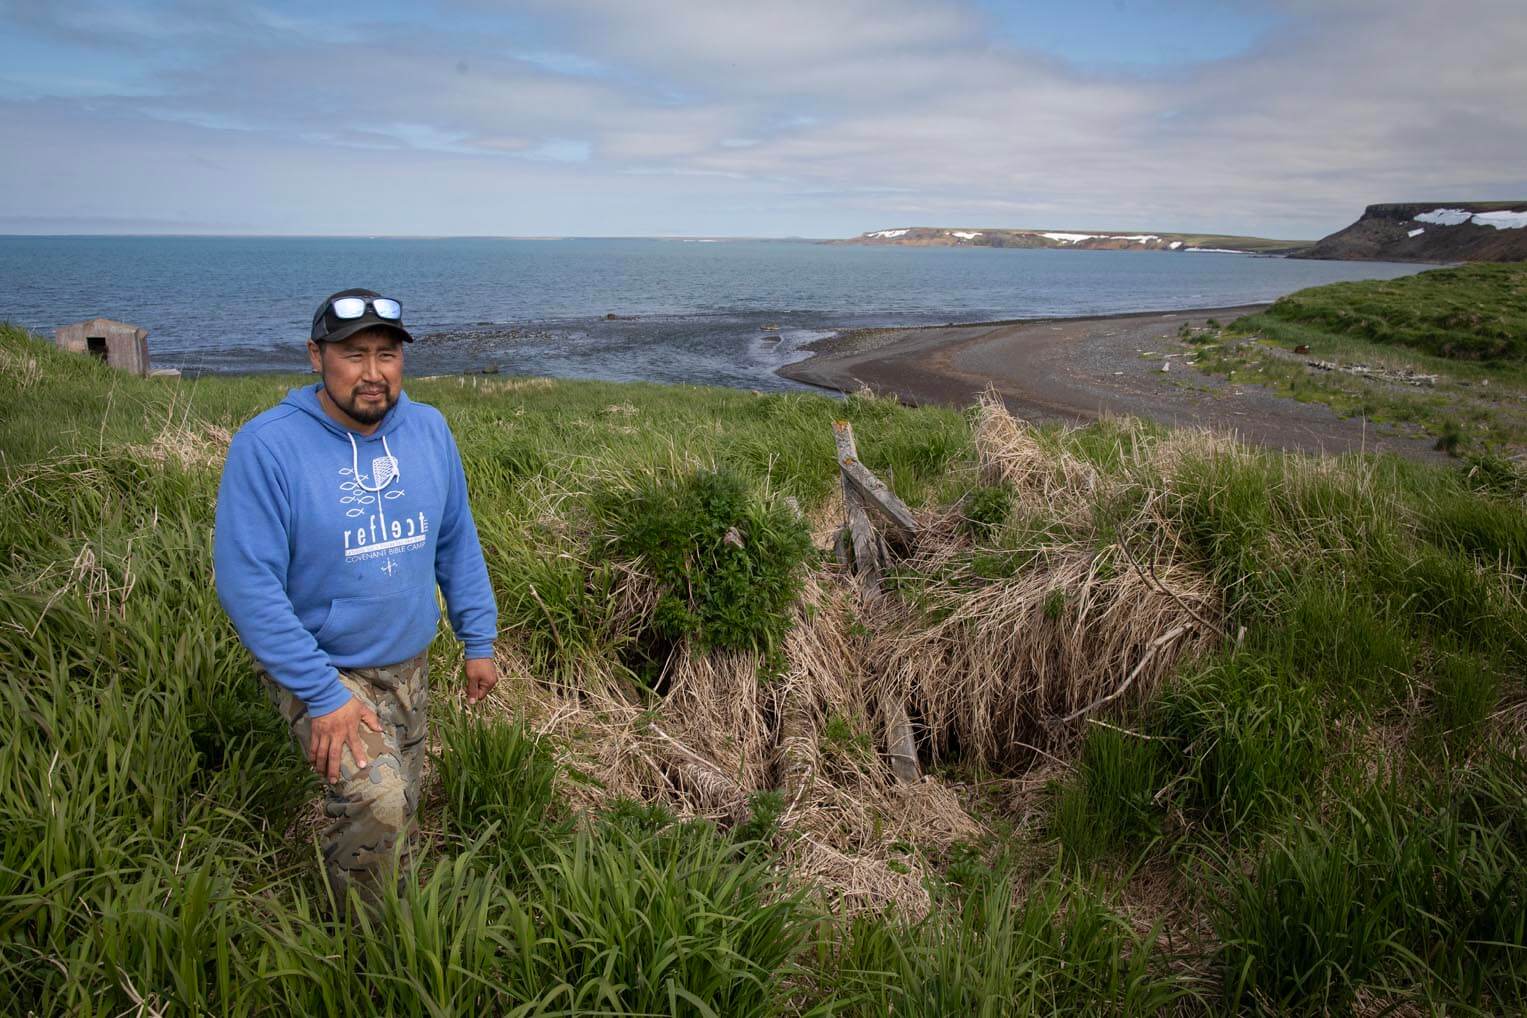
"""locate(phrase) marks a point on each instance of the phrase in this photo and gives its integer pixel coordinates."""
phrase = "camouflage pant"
(370, 810)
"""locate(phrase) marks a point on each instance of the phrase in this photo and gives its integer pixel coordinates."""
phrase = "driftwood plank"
(870, 557)
(877, 496)
(842, 544)
(901, 745)
(866, 547)
(843, 437)
(867, 557)
(859, 479)
(797, 752)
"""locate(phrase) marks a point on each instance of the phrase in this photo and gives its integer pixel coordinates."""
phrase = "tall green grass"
(152, 852)
(1379, 614)
(1062, 951)
(155, 854)
(1407, 892)
(1471, 312)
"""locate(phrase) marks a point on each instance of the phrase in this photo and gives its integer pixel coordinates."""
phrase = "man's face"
(362, 374)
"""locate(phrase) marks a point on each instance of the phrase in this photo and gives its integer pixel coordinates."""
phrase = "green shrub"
(985, 509)
(728, 563)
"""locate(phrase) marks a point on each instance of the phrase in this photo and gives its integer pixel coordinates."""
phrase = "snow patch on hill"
(888, 234)
(1502, 220)
(1445, 217)
(1073, 238)
(1456, 217)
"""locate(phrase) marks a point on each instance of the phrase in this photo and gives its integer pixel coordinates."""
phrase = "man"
(340, 510)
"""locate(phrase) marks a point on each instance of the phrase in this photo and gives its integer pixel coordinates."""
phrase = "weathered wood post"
(862, 490)
(866, 549)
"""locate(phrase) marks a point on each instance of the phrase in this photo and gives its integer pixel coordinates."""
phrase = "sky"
(815, 118)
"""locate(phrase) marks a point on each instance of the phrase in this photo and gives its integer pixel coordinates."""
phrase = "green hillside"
(1473, 312)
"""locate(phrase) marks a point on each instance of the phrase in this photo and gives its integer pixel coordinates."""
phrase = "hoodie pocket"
(356, 625)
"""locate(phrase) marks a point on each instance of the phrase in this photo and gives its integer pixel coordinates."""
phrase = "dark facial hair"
(358, 413)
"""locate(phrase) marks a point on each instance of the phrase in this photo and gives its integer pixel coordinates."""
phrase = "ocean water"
(685, 311)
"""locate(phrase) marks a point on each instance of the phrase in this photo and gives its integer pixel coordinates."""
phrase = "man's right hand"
(333, 731)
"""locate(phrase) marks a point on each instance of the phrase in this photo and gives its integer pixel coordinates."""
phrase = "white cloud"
(831, 118)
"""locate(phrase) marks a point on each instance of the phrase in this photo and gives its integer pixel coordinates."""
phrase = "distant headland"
(1082, 240)
(1431, 232)
(1397, 232)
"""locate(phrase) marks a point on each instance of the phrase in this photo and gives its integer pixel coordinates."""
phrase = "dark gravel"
(1079, 369)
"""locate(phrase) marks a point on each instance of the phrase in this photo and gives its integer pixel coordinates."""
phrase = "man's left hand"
(482, 676)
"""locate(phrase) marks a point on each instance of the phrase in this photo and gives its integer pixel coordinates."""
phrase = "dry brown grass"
(502, 385)
(103, 581)
(1002, 670)
(191, 446)
(1009, 667)
(718, 735)
(20, 367)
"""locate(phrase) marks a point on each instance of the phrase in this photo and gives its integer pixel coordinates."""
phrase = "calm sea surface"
(687, 311)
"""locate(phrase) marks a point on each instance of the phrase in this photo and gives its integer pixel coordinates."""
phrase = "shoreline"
(1075, 370)
(843, 341)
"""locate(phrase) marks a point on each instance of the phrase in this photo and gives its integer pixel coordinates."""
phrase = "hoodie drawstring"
(395, 471)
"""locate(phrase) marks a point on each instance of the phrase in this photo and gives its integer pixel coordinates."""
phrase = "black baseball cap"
(328, 327)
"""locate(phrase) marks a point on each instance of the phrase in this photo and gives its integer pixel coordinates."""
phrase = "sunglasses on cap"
(354, 307)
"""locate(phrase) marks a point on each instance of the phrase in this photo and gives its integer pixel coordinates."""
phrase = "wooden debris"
(1404, 376)
(872, 491)
(867, 559)
(797, 745)
(842, 547)
(863, 490)
(901, 743)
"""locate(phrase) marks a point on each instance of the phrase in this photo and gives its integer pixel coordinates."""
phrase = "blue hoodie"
(329, 544)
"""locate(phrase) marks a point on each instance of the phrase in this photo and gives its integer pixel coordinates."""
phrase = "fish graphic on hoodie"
(329, 544)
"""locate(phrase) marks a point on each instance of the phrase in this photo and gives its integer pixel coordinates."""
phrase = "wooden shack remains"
(120, 345)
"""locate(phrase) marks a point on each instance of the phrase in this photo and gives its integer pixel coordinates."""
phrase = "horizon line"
(421, 236)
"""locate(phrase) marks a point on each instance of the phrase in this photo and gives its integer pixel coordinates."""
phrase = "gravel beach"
(1074, 370)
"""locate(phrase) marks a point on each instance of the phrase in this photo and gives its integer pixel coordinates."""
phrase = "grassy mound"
(1208, 729)
(1473, 312)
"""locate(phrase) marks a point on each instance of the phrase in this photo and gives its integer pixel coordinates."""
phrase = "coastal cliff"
(1431, 232)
